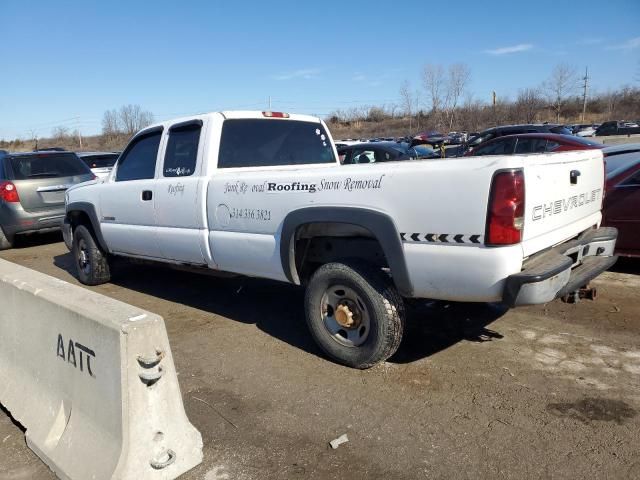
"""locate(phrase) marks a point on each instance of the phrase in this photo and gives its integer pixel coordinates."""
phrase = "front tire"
(92, 264)
(354, 313)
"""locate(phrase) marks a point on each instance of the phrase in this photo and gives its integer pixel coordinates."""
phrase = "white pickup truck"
(263, 194)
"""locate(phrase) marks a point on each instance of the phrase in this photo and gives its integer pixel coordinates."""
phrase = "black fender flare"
(379, 224)
(90, 210)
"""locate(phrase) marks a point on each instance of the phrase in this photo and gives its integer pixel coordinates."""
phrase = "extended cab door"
(126, 200)
(178, 199)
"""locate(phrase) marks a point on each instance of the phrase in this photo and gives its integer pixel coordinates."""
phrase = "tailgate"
(563, 197)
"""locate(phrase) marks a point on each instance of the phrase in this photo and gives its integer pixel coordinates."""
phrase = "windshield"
(619, 162)
(47, 166)
(561, 129)
(423, 151)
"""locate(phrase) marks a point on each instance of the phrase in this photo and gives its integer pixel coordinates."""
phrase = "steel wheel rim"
(83, 257)
(337, 302)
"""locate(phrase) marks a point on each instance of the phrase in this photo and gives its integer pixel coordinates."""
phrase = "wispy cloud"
(368, 81)
(630, 44)
(305, 74)
(590, 41)
(521, 47)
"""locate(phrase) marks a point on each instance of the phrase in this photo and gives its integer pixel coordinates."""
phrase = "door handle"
(147, 195)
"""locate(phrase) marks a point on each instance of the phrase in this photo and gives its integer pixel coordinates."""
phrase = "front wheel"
(354, 313)
(92, 264)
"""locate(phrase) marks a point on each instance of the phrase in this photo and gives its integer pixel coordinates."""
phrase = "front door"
(127, 201)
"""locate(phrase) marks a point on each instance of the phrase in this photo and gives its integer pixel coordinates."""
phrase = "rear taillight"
(275, 114)
(505, 218)
(9, 192)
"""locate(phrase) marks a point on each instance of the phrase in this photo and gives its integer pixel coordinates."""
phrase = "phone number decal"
(251, 214)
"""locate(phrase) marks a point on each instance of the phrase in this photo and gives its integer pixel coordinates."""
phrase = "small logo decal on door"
(176, 189)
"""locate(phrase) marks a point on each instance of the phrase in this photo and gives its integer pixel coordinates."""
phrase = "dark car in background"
(100, 163)
(528, 143)
(430, 137)
(32, 188)
(616, 127)
(621, 207)
(504, 130)
(383, 152)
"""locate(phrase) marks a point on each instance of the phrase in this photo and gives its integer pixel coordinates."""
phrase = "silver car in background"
(100, 163)
(32, 189)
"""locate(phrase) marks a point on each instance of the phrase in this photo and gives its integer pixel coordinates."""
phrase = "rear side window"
(499, 147)
(47, 166)
(182, 151)
(552, 146)
(531, 145)
(138, 162)
(269, 142)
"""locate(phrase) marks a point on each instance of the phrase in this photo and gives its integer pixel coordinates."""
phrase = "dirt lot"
(475, 391)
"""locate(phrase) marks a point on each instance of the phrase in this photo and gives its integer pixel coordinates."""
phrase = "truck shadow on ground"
(278, 308)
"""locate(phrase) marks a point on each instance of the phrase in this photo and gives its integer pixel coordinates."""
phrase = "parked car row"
(376, 152)
(33, 186)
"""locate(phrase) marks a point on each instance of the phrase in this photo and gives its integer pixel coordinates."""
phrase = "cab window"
(182, 150)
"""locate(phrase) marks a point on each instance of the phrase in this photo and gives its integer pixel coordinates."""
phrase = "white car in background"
(585, 130)
(100, 163)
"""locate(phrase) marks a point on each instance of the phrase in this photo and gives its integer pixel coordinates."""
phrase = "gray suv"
(32, 188)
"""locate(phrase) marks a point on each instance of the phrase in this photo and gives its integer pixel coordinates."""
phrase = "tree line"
(443, 101)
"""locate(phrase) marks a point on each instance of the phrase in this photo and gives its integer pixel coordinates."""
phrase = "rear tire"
(92, 264)
(5, 243)
(354, 313)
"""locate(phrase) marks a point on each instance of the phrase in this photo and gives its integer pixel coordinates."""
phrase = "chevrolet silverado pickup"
(263, 194)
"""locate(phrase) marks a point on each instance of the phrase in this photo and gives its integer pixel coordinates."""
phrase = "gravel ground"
(475, 391)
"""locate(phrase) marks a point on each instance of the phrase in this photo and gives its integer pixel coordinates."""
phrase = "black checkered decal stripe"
(441, 238)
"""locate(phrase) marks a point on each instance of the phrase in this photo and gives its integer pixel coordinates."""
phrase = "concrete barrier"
(92, 380)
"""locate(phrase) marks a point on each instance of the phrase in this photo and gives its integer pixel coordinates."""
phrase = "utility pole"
(79, 139)
(269, 102)
(584, 92)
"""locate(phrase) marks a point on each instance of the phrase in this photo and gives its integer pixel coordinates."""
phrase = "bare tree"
(560, 85)
(33, 135)
(132, 118)
(60, 134)
(110, 127)
(528, 104)
(434, 84)
(408, 101)
(458, 79)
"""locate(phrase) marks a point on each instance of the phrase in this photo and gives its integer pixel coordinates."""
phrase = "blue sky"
(65, 63)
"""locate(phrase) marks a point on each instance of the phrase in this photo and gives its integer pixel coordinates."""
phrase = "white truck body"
(238, 219)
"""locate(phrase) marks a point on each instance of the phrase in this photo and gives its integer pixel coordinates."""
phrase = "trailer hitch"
(587, 292)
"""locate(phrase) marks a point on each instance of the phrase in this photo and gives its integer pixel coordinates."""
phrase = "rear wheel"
(354, 313)
(5, 243)
(92, 264)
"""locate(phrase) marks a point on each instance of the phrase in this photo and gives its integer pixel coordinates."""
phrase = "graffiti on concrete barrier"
(76, 354)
